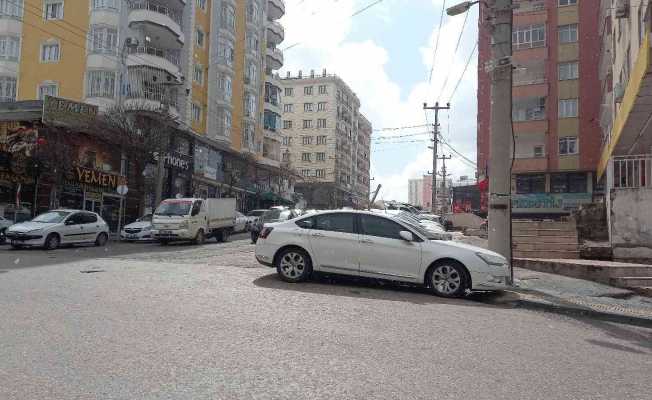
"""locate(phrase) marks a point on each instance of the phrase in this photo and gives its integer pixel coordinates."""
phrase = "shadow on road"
(373, 289)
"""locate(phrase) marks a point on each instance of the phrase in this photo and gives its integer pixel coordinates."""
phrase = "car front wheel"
(52, 241)
(448, 279)
(293, 265)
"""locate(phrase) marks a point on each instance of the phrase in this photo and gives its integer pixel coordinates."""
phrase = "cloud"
(322, 29)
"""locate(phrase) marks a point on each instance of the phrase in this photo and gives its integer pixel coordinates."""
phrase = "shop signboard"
(176, 160)
(548, 203)
(97, 178)
(63, 112)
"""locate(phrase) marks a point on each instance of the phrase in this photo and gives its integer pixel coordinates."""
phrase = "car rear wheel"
(294, 265)
(52, 241)
(448, 279)
(101, 240)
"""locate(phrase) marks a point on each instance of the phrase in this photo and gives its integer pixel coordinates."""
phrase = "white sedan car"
(139, 230)
(57, 227)
(366, 244)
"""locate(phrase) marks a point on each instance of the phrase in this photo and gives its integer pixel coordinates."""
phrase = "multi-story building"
(326, 140)
(206, 62)
(626, 160)
(415, 192)
(556, 104)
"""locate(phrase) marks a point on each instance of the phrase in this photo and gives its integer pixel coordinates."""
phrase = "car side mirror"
(406, 235)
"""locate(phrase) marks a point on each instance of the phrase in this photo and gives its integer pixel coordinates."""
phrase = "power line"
(434, 54)
(457, 46)
(400, 128)
(382, 138)
(468, 61)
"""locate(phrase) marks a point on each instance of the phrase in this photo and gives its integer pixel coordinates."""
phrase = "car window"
(89, 218)
(76, 219)
(335, 222)
(381, 227)
(196, 207)
(306, 223)
(285, 215)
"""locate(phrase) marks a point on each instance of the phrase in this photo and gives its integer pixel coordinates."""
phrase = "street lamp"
(460, 8)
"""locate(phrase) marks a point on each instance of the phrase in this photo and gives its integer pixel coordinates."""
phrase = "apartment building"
(625, 165)
(326, 140)
(208, 63)
(556, 104)
(415, 192)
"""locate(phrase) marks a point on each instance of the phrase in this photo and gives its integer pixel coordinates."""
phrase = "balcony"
(274, 58)
(147, 89)
(157, 21)
(275, 9)
(630, 172)
(275, 32)
(165, 59)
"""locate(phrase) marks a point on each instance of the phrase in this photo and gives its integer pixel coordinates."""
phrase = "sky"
(385, 54)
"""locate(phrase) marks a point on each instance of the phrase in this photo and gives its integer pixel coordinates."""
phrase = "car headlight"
(183, 225)
(491, 259)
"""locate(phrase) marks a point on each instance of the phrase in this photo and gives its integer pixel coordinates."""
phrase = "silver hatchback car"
(57, 227)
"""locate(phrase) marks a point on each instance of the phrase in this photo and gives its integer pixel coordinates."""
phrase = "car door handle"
(366, 241)
(318, 234)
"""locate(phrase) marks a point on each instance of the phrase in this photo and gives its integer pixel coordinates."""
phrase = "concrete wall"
(631, 223)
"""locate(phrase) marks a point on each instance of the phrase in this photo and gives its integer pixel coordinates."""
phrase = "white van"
(193, 220)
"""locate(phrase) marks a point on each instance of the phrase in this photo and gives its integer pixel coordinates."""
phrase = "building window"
(224, 85)
(320, 156)
(252, 42)
(198, 74)
(568, 146)
(322, 89)
(307, 107)
(100, 84)
(305, 172)
(527, 37)
(228, 17)
(289, 92)
(201, 4)
(321, 123)
(286, 157)
(320, 173)
(47, 89)
(305, 157)
(321, 139)
(50, 52)
(104, 39)
(252, 12)
(321, 106)
(568, 33)
(568, 70)
(53, 10)
(287, 124)
(568, 108)
(287, 140)
(307, 90)
(9, 48)
(529, 109)
(531, 183)
(105, 4)
(539, 151)
(199, 38)
(288, 108)
(196, 112)
(11, 9)
(225, 53)
(7, 89)
(574, 182)
(250, 74)
(307, 123)
(250, 105)
(567, 3)
(306, 140)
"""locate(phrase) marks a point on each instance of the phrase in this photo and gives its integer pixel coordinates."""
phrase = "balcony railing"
(170, 55)
(632, 172)
(176, 16)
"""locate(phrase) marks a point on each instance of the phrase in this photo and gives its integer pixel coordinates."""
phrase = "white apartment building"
(415, 191)
(326, 140)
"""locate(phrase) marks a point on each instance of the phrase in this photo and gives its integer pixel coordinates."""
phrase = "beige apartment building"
(326, 140)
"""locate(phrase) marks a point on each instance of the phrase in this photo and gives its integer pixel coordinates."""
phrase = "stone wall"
(631, 223)
(591, 222)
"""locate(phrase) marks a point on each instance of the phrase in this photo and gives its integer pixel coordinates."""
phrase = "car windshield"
(409, 217)
(256, 213)
(145, 218)
(52, 217)
(174, 207)
(419, 229)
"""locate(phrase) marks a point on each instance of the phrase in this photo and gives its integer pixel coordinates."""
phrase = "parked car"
(139, 230)
(274, 214)
(57, 227)
(193, 220)
(240, 222)
(4, 224)
(366, 244)
(252, 217)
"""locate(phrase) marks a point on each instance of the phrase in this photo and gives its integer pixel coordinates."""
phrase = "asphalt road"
(136, 321)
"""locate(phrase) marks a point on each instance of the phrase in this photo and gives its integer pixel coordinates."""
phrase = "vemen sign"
(98, 178)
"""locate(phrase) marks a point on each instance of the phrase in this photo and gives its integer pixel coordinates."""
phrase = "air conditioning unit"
(619, 92)
(621, 8)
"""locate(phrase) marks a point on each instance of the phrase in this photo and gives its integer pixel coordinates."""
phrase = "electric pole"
(436, 108)
(501, 142)
(444, 175)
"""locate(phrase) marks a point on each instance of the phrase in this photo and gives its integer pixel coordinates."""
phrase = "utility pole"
(444, 175)
(436, 108)
(501, 141)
